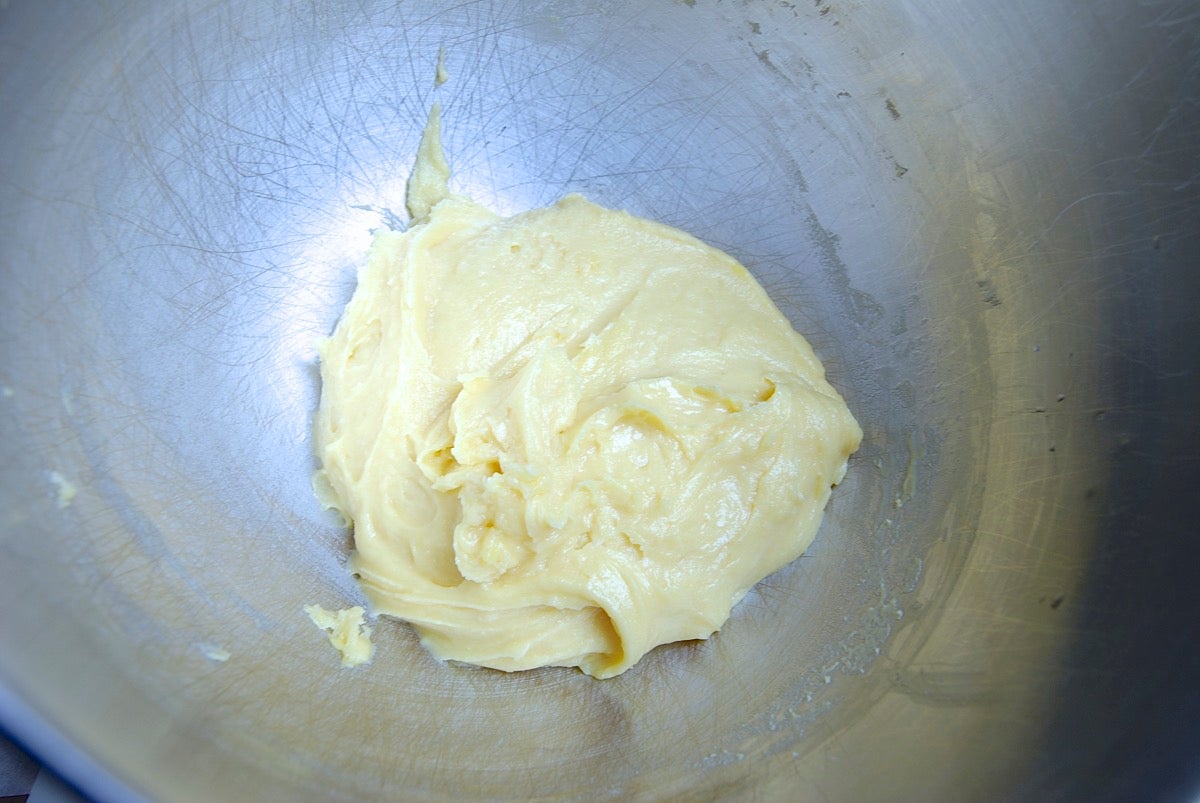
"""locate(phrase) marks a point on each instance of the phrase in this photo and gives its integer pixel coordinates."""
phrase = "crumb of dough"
(65, 490)
(569, 436)
(440, 75)
(214, 652)
(348, 634)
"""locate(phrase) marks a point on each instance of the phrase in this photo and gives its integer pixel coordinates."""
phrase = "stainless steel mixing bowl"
(983, 215)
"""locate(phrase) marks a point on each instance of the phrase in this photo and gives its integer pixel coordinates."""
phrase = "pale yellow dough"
(569, 436)
(346, 630)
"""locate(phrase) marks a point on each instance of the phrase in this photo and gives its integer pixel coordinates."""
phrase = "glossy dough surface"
(569, 436)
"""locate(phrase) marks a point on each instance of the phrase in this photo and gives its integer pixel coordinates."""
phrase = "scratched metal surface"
(983, 216)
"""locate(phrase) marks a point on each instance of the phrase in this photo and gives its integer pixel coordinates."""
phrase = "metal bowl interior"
(982, 217)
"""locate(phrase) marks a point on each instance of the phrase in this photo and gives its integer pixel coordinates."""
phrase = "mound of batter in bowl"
(568, 436)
